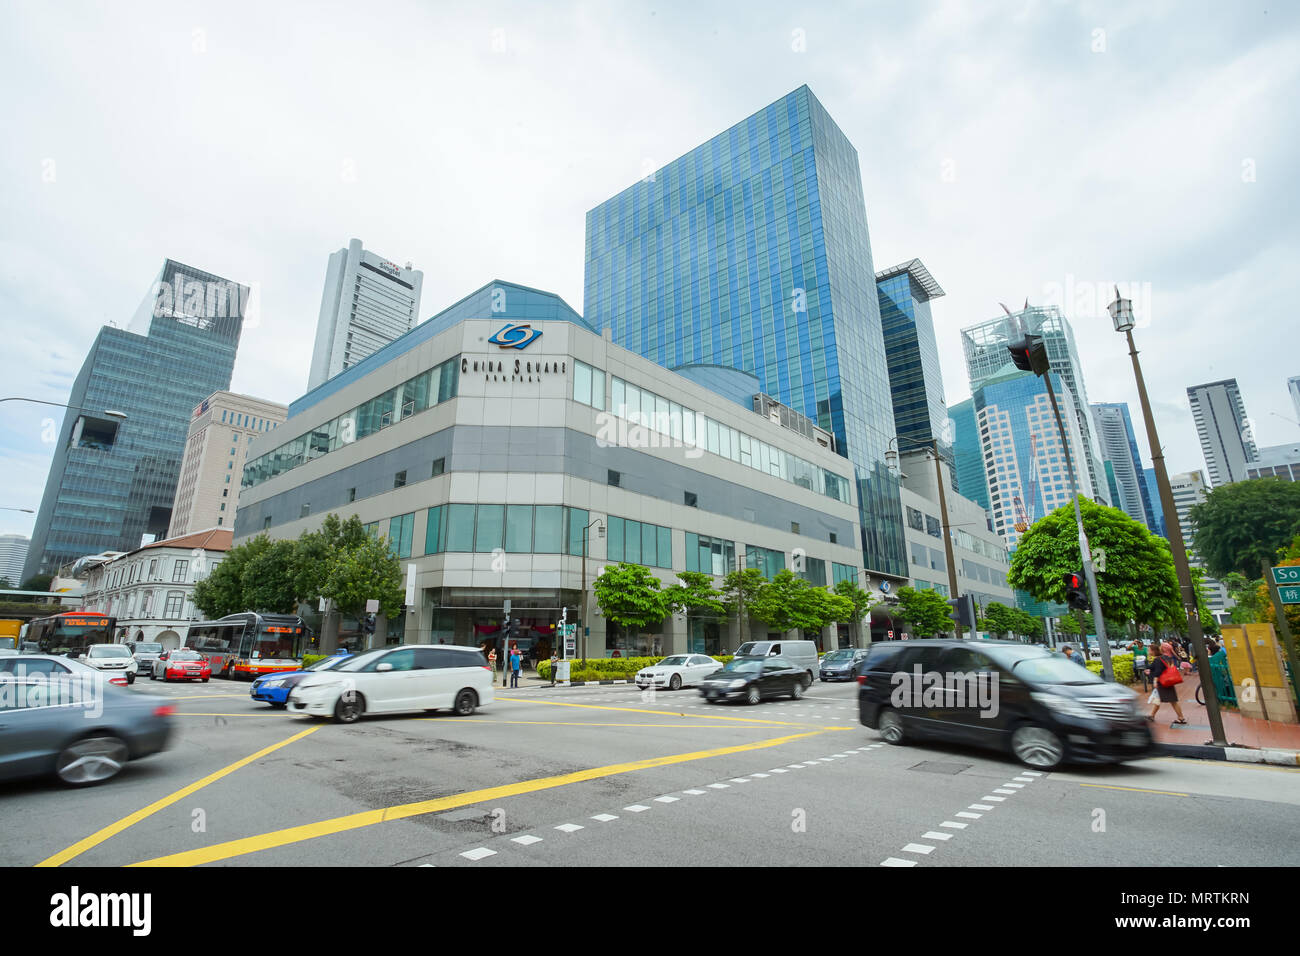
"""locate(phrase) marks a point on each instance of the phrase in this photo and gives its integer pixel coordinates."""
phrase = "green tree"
(694, 595)
(222, 591)
(859, 598)
(369, 571)
(1245, 595)
(266, 580)
(739, 591)
(630, 596)
(1139, 581)
(785, 603)
(38, 582)
(1068, 625)
(1242, 526)
(1208, 623)
(926, 612)
(1000, 619)
(315, 550)
(1029, 626)
(6, 584)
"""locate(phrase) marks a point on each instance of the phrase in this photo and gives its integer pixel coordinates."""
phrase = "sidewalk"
(1249, 739)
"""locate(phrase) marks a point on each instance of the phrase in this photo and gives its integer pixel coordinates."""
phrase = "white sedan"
(677, 671)
(393, 680)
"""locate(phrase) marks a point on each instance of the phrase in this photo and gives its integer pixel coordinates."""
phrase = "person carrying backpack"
(1167, 676)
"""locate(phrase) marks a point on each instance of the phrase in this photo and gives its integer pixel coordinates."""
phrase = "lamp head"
(1121, 312)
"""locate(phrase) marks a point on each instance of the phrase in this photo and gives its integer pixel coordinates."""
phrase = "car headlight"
(1062, 705)
(736, 683)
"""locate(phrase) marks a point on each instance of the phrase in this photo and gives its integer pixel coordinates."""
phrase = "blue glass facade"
(752, 251)
(969, 478)
(105, 499)
(915, 375)
(1157, 510)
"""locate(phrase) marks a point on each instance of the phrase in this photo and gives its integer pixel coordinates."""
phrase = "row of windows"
(425, 390)
(516, 529)
(124, 576)
(639, 543)
(241, 420)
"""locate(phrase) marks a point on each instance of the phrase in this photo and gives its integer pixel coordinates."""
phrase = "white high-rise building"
(1189, 489)
(13, 554)
(1293, 386)
(368, 302)
(1226, 437)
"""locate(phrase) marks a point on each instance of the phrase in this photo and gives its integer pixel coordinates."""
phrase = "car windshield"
(837, 656)
(672, 662)
(185, 655)
(1054, 670)
(109, 650)
(744, 666)
(148, 648)
(328, 664)
(361, 660)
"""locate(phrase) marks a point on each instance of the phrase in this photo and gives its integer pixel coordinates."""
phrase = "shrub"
(309, 659)
(606, 668)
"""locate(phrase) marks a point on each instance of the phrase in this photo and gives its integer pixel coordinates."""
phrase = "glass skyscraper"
(1119, 449)
(969, 476)
(107, 490)
(752, 251)
(915, 376)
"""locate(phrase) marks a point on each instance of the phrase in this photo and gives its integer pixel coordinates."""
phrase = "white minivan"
(800, 653)
(394, 680)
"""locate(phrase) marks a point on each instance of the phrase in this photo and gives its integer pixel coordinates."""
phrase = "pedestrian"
(1068, 649)
(1167, 676)
(554, 661)
(516, 662)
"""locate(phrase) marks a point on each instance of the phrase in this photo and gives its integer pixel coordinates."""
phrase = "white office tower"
(1226, 437)
(1293, 387)
(1189, 489)
(368, 302)
(13, 554)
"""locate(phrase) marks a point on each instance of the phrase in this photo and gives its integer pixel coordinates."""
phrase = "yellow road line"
(311, 831)
(114, 828)
(205, 696)
(1234, 764)
(591, 723)
(268, 714)
(660, 713)
(1106, 786)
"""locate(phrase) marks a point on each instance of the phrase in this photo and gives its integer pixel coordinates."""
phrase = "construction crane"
(1026, 517)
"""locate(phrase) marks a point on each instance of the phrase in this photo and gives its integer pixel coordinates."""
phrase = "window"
(613, 478)
(266, 522)
(490, 529)
(709, 555)
(225, 492)
(766, 560)
(223, 506)
(400, 529)
(460, 528)
(814, 572)
(175, 599)
(352, 494)
(434, 531)
(153, 570)
(306, 509)
(794, 527)
(834, 538)
(548, 529)
(439, 466)
(179, 570)
(519, 529)
(692, 499)
(399, 480)
(638, 542)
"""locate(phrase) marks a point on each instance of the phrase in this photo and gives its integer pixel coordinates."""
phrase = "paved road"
(609, 776)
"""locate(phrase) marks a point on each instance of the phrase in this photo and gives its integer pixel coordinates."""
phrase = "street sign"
(372, 606)
(1289, 593)
(1287, 575)
(410, 585)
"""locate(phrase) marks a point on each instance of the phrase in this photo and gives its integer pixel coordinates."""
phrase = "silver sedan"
(59, 717)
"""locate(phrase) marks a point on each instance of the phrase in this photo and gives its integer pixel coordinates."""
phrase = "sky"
(1022, 150)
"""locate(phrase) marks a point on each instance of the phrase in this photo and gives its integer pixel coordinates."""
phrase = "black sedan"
(753, 678)
(842, 664)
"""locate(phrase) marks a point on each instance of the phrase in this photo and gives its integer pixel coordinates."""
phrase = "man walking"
(516, 661)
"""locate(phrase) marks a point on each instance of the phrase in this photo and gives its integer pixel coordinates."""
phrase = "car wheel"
(796, 691)
(675, 683)
(350, 706)
(152, 675)
(891, 727)
(1037, 747)
(130, 678)
(752, 695)
(205, 680)
(91, 760)
(466, 701)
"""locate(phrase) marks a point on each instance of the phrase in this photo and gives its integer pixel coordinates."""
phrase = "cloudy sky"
(1034, 150)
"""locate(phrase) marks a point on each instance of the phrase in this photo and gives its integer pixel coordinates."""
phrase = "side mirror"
(385, 666)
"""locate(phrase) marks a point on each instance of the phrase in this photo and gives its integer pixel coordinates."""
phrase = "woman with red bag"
(1167, 676)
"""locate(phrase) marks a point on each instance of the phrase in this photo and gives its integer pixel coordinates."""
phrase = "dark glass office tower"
(915, 376)
(752, 251)
(112, 479)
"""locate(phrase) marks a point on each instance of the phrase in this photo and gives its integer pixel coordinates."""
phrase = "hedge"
(607, 668)
(1122, 665)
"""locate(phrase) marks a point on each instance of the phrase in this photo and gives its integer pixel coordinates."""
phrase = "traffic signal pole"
(1089, 575)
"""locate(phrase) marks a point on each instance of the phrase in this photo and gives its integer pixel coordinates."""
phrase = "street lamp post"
(1121, 314)
(110, 412)
(891, 460)
(585, 538)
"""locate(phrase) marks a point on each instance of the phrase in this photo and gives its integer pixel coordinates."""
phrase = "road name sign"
(1289, 593)
(1287, 575)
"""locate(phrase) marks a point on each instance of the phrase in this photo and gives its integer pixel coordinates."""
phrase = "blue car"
(274, 689)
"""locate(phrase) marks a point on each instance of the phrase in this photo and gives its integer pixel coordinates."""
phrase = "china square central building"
(482, 443)
(751, 251)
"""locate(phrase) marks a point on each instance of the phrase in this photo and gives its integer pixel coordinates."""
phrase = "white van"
(800, 653)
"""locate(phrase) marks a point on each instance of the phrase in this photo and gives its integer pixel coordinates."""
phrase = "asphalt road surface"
(613, 777)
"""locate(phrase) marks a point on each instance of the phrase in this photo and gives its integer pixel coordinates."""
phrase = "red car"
(181, 664)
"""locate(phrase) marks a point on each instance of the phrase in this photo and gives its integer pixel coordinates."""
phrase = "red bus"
(249, 644)
(72, 631)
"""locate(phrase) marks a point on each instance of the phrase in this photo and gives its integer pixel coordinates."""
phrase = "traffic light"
(963, 611)
(1076, 590)
(368, 624)
(1030, 354)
